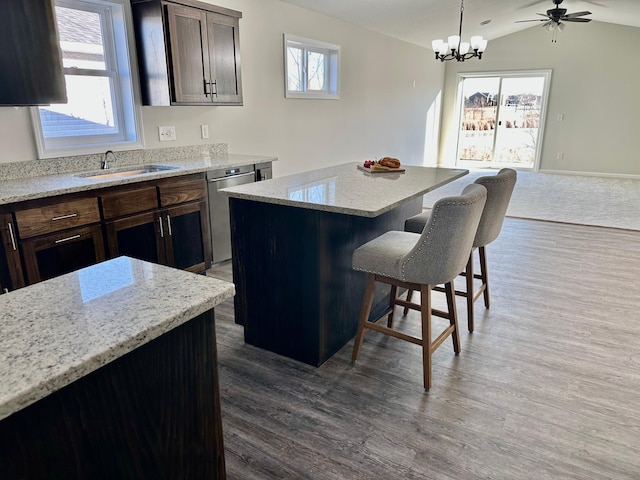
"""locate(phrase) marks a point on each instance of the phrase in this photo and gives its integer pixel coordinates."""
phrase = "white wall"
(379, 113)
(594, 84)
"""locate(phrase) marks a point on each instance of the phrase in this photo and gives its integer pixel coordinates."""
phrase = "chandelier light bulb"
(454, 48)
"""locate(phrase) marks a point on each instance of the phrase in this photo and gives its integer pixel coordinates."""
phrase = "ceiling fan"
(555, 17)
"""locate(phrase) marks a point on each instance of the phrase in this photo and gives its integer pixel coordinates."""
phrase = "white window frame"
(119, 49)
(332, 68)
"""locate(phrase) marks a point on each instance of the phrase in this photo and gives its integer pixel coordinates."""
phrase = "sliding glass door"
(501, 119)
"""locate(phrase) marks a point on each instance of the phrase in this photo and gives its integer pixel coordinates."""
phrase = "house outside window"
(311, 68)
(101, 112)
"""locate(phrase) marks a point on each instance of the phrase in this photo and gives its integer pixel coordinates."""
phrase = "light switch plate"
(204, 130)
(167, 133)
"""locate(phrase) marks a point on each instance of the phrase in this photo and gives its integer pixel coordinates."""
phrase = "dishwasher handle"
(222, 179)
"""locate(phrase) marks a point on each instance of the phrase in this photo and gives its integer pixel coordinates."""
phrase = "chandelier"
(456, 49)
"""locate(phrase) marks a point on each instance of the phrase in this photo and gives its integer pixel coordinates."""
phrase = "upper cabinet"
(30, 62)
(188, 53)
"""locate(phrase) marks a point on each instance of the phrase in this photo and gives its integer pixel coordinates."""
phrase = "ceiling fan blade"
(582, 20)
(577, 14)
(543, 14)
(535, 20)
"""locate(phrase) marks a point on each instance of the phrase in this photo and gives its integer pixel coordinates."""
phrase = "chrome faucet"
(105, 162)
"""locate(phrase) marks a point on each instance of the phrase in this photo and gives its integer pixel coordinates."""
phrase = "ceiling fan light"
(550, 27)
(561, 26)
(453, 41)
(438, 45)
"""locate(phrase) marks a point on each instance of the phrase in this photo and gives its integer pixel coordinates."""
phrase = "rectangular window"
(101, 110)
(311, 68)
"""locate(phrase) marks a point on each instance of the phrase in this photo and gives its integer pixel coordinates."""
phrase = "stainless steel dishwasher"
(219, 223)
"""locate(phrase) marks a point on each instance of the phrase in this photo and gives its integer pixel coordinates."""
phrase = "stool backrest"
(447, 238)
(499, 189)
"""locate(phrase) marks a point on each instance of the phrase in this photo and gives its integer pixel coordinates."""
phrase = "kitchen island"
(292, 241)
(111, 372)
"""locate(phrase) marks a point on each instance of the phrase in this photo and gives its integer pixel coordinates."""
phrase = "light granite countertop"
(57, 331)
(17, 190)
(347, 189)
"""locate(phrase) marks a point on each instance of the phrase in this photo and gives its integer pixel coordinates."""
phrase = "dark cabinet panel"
(62, 252)
(11, 276)
(186, 226)
(30, 62)
(189, 59)
(138, 236)
(222, 33)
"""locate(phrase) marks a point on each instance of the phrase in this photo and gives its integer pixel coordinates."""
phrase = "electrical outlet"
(204, 130)
(167, 133)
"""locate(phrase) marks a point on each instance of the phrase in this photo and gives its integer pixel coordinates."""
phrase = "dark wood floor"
(547, 387)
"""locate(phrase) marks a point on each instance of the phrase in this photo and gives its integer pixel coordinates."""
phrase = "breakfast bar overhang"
(292, 242)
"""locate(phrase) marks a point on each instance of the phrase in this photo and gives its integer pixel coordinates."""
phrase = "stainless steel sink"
(125, 171)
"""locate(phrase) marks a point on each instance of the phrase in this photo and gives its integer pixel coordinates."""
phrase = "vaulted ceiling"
(420, 21)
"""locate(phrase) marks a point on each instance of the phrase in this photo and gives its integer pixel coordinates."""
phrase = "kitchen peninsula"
(292, 240)
(111, 372)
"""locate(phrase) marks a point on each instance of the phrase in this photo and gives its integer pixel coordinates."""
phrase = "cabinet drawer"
(173, 194)
(58, 216)
(119, 204)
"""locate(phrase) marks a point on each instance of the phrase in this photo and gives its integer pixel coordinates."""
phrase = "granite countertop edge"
(15, 398)
(23, 189)
(340, 209)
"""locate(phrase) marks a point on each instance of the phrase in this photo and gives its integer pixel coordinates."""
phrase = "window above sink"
(94, 40)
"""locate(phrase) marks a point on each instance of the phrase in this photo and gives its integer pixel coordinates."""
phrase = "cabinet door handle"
(13, 239)
(212, 84)
(206, 85)
(62, 217)
(161, 229)
(72, 237)
(169, 225)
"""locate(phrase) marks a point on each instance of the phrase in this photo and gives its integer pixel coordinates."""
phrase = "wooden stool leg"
(470, 291)
(406, 309)
(392, 304)
(453, 316)
(484, 275)
(367, 301)
(425, 312)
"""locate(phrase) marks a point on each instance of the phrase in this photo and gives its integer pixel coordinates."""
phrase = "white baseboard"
(591, 174)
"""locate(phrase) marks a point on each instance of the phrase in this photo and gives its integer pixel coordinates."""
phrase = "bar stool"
(499, 189)
(418, 262)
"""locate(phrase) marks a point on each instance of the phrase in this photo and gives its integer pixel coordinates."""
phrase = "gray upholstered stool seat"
(420, 261)
(499, 189)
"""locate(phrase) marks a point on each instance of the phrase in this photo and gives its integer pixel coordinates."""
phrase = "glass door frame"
(545, 73)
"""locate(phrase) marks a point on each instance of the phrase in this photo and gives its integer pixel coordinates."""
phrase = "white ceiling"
(420, 21)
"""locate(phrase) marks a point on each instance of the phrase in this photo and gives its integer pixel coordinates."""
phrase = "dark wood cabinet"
(172, 237)
(161, 221)
(188, 53)
(31, 62)
(58, 236)
(174, 230)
